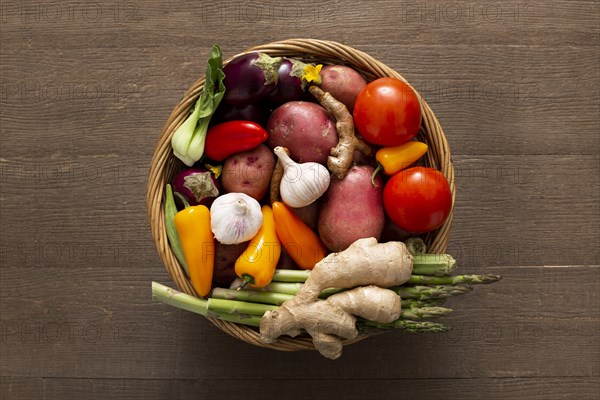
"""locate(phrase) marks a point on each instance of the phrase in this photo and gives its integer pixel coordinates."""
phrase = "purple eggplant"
(197, 186)
(250, 78)
(289, 85)
(252, 112)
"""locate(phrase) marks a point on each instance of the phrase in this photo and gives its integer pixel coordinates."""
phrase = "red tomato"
(418, 199)
(387, 112)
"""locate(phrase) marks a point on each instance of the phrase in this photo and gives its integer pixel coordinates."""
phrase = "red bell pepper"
(228, 138)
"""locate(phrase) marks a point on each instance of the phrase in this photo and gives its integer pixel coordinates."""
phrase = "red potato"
(353, 209)
(249, 172)
(306, 129)
(343, 83)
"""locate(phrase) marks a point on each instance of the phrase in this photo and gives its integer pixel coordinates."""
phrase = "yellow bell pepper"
(257, 263)
(394, 159)
(193, 228)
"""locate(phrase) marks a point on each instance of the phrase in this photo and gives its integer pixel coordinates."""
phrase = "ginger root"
(341, 156)
(313, 316)
(369, 302)
(364, 147)
(328, 321)
(331, 320)
(365, 262)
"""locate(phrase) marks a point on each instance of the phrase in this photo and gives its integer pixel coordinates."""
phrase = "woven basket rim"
(163, 166)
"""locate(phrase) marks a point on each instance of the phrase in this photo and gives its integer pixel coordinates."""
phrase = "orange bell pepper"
(301, 243)
(197, 242)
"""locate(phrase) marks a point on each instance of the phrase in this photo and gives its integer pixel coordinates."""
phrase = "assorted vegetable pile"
(282, 219)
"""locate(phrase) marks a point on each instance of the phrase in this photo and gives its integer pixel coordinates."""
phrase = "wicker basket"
(165, 165)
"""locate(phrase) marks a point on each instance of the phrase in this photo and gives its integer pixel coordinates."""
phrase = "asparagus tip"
(419, 327)
(491, 278)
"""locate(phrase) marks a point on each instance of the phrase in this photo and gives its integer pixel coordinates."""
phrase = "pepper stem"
(183, 200)
(247, 279)
(379, 168)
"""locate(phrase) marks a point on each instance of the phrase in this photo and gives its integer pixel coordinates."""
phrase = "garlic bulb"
(301, 184)
(235, 218)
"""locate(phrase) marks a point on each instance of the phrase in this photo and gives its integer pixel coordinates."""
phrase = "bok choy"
(188, 139)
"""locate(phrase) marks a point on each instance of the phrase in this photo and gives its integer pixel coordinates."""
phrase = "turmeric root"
(276, 179)
(341, 156)
(365, 262)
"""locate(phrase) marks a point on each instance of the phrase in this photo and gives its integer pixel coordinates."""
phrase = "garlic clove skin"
(235, 218)
(302, 184)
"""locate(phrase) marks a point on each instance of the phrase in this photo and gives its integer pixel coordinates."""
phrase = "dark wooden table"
(86, 87)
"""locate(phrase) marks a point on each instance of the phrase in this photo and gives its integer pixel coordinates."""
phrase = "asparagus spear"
(241, 312)
(222, 306)
(293, 288)
(282, 287)
(290, 275)
(418, 326)
(279, 298)
(423, 264)
(414, 303)
(431, 292)
(251, 295)
(196, 305)
(250, 320)
(415, 313)
(405, 292)
(453, 280)
(406, 325)
(433, 264)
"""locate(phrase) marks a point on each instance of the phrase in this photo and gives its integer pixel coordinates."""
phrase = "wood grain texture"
(230, 389)
(500, 331)
(84, 89)
(21, 388)
(355, 389)
(534, 91)
(153, 23)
